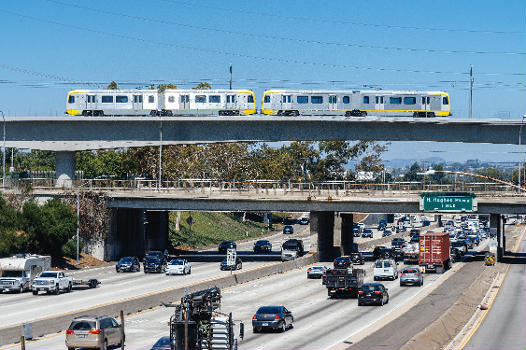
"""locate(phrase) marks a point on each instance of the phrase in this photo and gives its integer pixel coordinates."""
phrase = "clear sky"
(52, 46)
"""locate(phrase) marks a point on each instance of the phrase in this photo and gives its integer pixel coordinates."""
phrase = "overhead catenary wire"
(250, 56)
(333, 21)
(282, 38)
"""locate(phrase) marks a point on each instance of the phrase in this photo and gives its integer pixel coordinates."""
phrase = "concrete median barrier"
(60, 322)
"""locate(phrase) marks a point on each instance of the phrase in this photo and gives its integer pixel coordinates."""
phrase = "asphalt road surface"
(503, 328)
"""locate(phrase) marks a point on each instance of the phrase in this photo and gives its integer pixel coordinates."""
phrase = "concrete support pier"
(347, 237)
(322, 224)
(65, 169)
(495, 224)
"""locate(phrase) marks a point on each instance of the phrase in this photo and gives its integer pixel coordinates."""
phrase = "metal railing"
(268, 187)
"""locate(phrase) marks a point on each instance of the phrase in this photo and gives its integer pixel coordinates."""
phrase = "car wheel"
(21, 290)
(375, 278)
(401, 284)
(283, 327)
(360, 303)
(35, 292)
(387, 302)
(69, 288)
(57, 290)
(382, 302)
(104, 345)
(190, 271)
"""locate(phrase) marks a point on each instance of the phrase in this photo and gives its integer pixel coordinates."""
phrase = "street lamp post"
(78, 218)
(3, 152)
(520, 160)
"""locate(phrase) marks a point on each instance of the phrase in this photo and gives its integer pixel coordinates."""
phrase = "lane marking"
(485, 312)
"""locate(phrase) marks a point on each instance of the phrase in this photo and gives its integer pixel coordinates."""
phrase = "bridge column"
(347, 237)
(126, 234)
(65, 169)
(438, 219)
(156, 235)
(322, 224)
(495, 224)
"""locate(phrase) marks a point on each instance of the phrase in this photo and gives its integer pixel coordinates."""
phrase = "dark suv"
(225, 245)
(155, 261)
(294, 244)
(128, 263)
(263, 246)
(342, 262)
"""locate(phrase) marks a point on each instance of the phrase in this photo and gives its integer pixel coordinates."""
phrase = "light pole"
(78, 217)
(3, 153)
(160, 150)
(520, 160)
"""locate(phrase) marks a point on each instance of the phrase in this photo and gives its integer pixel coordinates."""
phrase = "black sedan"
(342, 262)
(373, 293)
(262, 246)
(387, 233)
(237, 266)
(128, 263)
(225, 245)
(367, 233)
(288, 229)
(162, 343)
(272, 317)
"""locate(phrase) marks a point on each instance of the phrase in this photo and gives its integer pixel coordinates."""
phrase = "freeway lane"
(503, 327)
(320, 322)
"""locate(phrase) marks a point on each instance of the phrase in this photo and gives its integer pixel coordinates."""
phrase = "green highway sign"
(448, 202)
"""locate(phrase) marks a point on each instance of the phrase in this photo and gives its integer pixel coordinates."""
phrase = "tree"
(412, 173)
(372, 159)
(163, 87)
(113, 86)
(203, 86)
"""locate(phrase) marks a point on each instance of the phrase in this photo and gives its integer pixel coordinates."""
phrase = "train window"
(445, 100)
(366, 100)
(410, 100)
(381, 99)
(428, 100)
(200, 98)
(333, 99)
(423, 100)
(121, 99)
(316, 99)
(107, 99)
(395, 100)
(71, 99)
(377, 99)
(184, 98)
(302, 99)
(214, 99)
(250, 99)
(171, 99)
(151, 99)
(266, 99)
(230, 99)
(137, 98)
(346, 99)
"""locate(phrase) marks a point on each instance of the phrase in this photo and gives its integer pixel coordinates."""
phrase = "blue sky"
(52, 46)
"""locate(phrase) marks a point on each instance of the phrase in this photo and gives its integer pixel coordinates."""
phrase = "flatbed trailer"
(344, 282)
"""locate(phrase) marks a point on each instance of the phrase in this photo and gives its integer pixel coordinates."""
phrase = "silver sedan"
(411, 275)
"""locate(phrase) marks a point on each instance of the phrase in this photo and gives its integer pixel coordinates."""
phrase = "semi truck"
(344, 282)
(434, 254)
(19, 271)
(411, 253)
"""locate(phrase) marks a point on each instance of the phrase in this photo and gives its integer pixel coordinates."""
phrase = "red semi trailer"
(434, 251)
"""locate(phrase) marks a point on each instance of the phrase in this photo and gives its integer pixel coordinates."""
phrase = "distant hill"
(404, 163)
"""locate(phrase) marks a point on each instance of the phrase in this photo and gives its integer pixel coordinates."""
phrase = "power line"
(248, 56)
(274, 37)
(333, 21)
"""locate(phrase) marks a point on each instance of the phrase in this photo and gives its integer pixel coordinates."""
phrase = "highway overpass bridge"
(68, 134)
(139, 214)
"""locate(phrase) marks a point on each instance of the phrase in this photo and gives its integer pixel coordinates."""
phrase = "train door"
(91, 101)
(184, 101)
(379, 104)
(333, 102)
(137, 102)
(286, 102)
(230, 102)
(426, 102)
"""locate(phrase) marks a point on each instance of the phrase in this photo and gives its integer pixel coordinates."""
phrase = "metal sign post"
(231, 256)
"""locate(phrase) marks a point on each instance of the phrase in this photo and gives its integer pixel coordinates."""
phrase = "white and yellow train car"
(112, 102)
(356, 103)
(207, 102)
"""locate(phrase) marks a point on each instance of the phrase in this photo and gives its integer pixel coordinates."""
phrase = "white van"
(385, 269)
(18, 272)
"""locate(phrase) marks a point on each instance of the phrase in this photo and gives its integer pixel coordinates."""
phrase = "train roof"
(131, 91)
(280, 91)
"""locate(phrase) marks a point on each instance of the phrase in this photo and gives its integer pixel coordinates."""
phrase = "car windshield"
(379, 264)
(317, 268)
(82, 325)
(11, 273)
(48, 274)
(268, 310)
(152, 259)
(126, 260)
(290, 246)
(387, 264)
(367, 230)
(262, 242)
(410, 271)
(176, 262)
(342, 259)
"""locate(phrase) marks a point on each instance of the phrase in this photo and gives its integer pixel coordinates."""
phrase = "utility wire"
(274, 37)
(252, 57)
(333, 21)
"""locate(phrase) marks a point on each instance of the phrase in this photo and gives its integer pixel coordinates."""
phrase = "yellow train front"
(381, 103)
(166, 103)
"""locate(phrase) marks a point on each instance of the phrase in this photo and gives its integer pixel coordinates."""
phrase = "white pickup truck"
(52, 282)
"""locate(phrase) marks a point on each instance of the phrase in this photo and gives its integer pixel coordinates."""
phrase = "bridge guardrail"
(266, 187)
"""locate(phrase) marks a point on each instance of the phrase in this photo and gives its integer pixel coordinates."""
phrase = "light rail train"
(179, 102)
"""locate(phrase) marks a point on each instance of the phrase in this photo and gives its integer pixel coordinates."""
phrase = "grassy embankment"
(212, 228)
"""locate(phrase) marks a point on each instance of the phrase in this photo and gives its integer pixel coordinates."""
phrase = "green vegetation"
(41, 229)
(212, 228)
